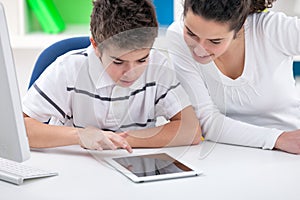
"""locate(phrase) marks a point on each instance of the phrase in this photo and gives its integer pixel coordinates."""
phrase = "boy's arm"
(42, 135)
(183, 129)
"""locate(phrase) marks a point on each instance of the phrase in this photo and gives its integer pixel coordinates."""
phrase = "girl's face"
(206, 39)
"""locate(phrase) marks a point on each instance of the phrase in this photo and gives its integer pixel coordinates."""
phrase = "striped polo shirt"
(75, 90)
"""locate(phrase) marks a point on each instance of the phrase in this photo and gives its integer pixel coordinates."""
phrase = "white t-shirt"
(76, 91)
(254, 109)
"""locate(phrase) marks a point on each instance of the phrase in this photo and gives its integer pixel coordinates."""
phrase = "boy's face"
(125, 67)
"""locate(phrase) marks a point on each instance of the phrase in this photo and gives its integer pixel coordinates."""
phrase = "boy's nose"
(130, 71)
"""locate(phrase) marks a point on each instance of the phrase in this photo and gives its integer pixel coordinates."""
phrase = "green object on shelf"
(75, 12)
(47, 15)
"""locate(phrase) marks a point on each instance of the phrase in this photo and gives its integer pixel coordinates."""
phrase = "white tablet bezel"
(137, 179)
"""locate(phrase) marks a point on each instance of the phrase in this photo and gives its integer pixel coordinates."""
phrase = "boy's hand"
(96, 139)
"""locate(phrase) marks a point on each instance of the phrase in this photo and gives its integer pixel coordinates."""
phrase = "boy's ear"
(93, 42)
(96, 49)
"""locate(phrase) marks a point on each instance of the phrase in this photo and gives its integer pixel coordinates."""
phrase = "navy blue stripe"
(51, 102)
(143, 88)
(138, 124)
(124, 126)
(165, 94)
(81, 53)
(96, 96)
(77, 126)
(105, 129)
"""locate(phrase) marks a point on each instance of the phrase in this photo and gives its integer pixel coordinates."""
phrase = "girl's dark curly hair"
(233, 12)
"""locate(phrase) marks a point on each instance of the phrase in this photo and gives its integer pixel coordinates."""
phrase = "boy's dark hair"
(233, 12)
(127, 24)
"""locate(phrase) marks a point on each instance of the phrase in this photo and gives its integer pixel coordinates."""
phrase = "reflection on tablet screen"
(150, 165)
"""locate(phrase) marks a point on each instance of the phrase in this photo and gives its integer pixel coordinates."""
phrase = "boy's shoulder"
(159, 68)
(74, 60)
(74, 56)
(69, 66)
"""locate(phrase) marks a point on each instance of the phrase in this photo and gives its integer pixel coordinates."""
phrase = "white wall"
(24, 61)
(290, 7)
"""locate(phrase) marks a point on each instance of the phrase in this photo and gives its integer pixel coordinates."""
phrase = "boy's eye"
(117, 62)
(142, 60)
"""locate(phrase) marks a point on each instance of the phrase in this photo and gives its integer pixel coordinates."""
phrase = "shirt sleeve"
(216, 126)
(47, 98)
(171, 98)
(282, 30)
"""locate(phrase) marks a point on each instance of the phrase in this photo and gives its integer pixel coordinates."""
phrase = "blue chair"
(55, 50)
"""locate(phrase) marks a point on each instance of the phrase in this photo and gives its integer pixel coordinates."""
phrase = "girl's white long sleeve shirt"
(254, 109)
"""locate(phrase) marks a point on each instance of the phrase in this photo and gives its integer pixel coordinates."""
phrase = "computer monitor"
(13, 139)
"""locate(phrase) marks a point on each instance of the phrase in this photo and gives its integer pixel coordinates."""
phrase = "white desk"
(230, 172)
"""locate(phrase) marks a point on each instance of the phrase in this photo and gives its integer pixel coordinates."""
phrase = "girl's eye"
(215, 41)
(190, 34)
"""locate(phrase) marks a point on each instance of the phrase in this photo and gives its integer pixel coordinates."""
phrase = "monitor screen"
(13, 138)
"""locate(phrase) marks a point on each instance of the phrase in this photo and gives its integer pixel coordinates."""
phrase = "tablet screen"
(152, 165)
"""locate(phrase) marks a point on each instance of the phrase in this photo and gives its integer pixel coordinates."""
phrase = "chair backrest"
(55, 50)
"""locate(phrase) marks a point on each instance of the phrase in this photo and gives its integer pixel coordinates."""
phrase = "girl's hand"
(289, 141)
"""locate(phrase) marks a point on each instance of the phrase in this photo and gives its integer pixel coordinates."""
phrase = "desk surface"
(230, 172)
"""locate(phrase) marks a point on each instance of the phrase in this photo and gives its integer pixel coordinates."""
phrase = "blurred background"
(28, 36)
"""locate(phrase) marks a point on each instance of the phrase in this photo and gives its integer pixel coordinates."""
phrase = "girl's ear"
(96, 49)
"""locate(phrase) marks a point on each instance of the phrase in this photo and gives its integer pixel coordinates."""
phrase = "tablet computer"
(152, 167)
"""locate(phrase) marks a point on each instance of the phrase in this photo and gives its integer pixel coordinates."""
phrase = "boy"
(109, 95)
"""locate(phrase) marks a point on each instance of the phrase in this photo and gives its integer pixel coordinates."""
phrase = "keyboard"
(16, 173)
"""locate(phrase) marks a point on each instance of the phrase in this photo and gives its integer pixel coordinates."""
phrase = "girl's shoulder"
(270, 19)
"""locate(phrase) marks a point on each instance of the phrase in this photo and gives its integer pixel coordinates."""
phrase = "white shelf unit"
(21, 38)
(39, 40)
(16, 11)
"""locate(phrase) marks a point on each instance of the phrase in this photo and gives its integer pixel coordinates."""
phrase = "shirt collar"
(140, 82)
(97, 72)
